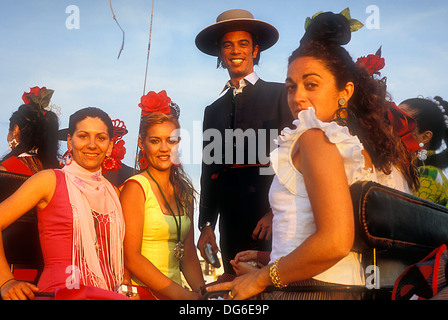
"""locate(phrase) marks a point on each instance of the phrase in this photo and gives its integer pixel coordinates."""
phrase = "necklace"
(179, 248)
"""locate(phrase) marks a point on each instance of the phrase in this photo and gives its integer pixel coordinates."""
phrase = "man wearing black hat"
(248, 116)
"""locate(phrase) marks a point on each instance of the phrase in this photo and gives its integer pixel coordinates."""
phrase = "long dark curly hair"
(369, 103)
(38, 131)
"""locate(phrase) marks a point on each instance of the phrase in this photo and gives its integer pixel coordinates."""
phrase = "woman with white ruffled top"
(341, 136)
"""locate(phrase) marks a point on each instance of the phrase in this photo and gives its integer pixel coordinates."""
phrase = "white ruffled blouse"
(293, 220)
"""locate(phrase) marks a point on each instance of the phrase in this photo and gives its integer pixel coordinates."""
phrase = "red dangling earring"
(143, 162)
(66, 159)
(109, 164)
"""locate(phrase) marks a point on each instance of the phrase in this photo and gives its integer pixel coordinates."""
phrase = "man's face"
(237, 53)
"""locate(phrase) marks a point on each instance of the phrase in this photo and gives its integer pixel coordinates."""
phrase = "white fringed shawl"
(90, 192)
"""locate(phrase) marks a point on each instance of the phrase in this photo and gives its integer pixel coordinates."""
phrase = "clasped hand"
(18, 290)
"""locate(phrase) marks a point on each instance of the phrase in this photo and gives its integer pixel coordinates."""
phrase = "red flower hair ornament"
(402, 123)
(113, 162)
(154, 102)
(39, 96)
(373, 63)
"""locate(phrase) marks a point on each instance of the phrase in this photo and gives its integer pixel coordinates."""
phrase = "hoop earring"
(12, 144)
(66, 159)
(342, 116)
(345, 116)
(143, 162)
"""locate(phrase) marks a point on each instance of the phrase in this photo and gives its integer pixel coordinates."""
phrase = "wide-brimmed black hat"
(62, 134)
(236, 20)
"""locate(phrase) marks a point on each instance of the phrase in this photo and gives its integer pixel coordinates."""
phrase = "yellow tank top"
(160, 234)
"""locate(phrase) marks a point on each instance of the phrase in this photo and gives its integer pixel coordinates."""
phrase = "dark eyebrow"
(311, 74)
(156, 137)
(237, 41)
(88, 132)
(289, 79)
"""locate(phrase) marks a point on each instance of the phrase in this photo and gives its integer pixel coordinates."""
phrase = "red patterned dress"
(27, 165)
(56, 237)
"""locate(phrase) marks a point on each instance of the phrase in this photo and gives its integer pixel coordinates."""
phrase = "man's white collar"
(252, 78)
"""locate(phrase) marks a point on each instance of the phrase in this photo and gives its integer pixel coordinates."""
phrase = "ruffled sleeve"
(349, 147)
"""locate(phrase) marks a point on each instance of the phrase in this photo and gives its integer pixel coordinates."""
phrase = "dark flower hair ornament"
(154, 102)
(331, 28)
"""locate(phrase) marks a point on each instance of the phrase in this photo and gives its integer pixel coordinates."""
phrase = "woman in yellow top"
(158, 209)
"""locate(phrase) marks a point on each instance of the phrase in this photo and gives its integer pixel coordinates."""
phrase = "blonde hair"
(178, 177)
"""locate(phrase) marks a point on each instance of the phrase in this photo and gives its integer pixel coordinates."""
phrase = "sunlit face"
(161, 145)
(90, 143)
(238, 53)
(311, 84)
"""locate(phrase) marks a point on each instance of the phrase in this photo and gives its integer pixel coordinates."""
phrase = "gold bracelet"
(274, 275)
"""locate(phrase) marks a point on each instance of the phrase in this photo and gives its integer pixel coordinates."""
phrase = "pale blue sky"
(81, 64)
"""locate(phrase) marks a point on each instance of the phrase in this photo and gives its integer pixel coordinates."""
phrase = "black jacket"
(240, 195)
